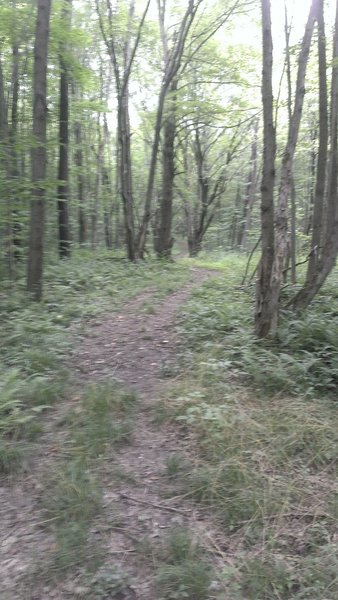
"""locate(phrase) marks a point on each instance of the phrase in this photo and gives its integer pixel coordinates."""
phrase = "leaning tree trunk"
(280, 252)
(286, 175)
(39, 153)
(330, 244)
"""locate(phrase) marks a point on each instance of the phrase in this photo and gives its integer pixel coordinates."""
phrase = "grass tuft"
(185, 573)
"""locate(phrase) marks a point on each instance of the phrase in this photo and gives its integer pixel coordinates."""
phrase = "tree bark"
(39, 153)
(122, 76)
(63, 169)
(264, 311)
(250, 195)
(82, 224)
(164, 240)
(269, 287)
(172, 62)
(329, 252)
(5, 163)
(286, 175)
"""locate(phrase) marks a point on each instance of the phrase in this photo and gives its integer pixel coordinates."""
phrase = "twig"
(160, 506)
(295, 515)
(249, 259)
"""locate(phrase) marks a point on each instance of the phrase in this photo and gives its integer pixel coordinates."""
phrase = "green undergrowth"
(301, 360)
(184, 572)
(36, 338)
(262, 425)
(101, 420)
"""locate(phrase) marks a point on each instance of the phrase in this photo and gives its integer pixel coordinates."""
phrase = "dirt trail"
(133, 345)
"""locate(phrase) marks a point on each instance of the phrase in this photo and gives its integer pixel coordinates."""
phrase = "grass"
(184, 574)
(102, 419)
(38, 337)
(262, 423)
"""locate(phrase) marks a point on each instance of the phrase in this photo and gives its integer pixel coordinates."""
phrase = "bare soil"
(134, 345)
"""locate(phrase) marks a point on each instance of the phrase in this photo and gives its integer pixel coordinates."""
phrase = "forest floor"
(138, 346)
(179, 458)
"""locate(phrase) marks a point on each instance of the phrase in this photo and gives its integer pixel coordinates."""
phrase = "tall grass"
(262, 419)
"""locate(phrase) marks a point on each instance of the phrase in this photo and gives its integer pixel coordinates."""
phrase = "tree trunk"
(39, 154)
(250, 195)
(268, 302)
(330, 241)
(317, 218)
(286, 176)
(122, 76)
(5, 163)
(126, 173)
(264, 310)
(14, 170)
(172, 61)
(63, 170)
(164, 235)
(82, 225)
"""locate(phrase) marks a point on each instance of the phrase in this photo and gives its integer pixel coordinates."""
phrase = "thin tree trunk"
(126, 178)
(82, 225)
(4, 158)
(250, 195)
(122, 76)
(330, 246)
(263, 313)
(63, 170)
(172, 67)
(286, 175)
(164, 237)
(317, 218)
(39, 153)
(14, 163)
(292, 182)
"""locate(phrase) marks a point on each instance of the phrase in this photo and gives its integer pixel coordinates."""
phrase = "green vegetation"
(259, 419)
(264, 424)
(37, 338)
(185, 573)
(101, 420)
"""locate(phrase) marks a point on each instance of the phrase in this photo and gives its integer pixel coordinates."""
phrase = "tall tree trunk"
(293, 211)
(63, 170)
(172, 62)
(14, 170)
(250, 195)
(82, 225)
(164, 235)
(5, 163)
(280, 252)
(330, 241)
(122, 77)
(317, 218)
(39, 153)
(126, 178)
(286, 175)
(263, 313)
